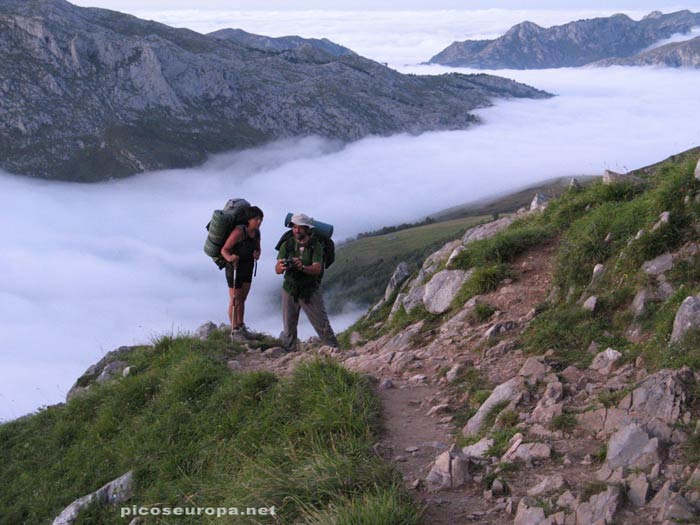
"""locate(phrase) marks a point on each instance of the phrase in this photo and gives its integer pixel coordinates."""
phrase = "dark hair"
(254, 211)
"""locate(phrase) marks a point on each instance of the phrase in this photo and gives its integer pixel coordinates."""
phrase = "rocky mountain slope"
(88, 94)
(677, 54)
(529, 46)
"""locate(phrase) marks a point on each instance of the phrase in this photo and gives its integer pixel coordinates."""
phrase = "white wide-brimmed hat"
(301, 219)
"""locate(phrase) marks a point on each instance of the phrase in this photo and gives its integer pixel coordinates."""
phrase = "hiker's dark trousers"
(315, 310)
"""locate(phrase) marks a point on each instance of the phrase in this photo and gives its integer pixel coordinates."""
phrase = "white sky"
(363, 5)
(87, 268)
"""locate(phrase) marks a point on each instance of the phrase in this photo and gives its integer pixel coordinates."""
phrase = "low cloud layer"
(87, 268)
(392, 36)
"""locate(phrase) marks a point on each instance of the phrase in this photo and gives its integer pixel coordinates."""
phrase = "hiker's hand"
(256, 254)
(297, 263)
(233, 259)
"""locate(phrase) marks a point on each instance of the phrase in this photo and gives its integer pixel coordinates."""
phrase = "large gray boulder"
(612, 177)
(631, 447)
(687, 318)
(600, 509)
(509, 392)
(659, 265)
(442, 289)
(204, 331)
(485, 231)
(401, 273)
(114, 492)
(539, 202)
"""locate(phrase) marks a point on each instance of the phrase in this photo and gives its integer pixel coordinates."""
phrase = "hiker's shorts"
(244, 274)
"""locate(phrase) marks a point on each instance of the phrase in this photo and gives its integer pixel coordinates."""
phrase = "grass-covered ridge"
(618, 225)
(198, 435)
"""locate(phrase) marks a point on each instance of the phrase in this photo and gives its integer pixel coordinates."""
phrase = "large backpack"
(326, 242)
(222, 223)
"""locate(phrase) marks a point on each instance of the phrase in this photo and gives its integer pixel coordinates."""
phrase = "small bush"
(565, 422)
(483, 311)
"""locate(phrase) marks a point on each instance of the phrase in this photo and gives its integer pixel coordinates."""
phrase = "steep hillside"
(529, 46)
(677, 54)
(182, 429)
(543, 368)
(90, 94)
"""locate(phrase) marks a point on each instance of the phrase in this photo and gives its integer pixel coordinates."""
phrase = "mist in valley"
(87, 268)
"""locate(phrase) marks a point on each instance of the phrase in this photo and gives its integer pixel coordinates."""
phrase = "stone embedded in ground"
(114, 492)
(530, 512)
(612, 177)
(404, 339)
(455, 253)
(697, 170)
(600, 508)
(687, 318)
(566, 500)
(534, 369)
(590, 303)
(453, 373)
(527, 452)
(664, 219)
(386, 384)
(484, 231)
(663, 395)
(274, 352)
(478, 449)
(205, 330)
(401, 273)
(638, 489)
(438, 409)
(450, 470)
(413, 298)
(506, 392)
(605, 361)
(111, 370)
(676, 508)
(553, 393)
(631, 447)
(441, 290)
(539, 202)
(661, 264)
(548, 485)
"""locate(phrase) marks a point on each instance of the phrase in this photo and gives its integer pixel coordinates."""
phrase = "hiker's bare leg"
(239, 297)
(290, 320)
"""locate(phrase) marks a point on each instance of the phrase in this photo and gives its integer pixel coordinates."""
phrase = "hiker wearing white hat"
(301, 261)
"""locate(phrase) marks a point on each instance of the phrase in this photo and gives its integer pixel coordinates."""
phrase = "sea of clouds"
(87, 268)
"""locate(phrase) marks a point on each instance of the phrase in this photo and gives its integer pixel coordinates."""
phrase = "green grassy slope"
(363, 267)
(599, 224)
(198, 435)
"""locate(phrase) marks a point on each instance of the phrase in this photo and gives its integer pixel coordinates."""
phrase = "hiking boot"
(248, 334)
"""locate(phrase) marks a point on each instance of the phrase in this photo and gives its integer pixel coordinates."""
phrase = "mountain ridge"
(578, 43)
(91, 94)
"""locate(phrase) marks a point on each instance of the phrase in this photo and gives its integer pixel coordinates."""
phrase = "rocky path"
(602, 444)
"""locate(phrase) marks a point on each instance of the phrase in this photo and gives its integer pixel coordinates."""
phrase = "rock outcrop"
(114, 492)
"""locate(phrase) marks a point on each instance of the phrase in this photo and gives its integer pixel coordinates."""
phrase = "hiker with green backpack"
(241, 252)
(302, 257)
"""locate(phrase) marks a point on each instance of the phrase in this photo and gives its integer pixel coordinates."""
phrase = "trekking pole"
(233, 307)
